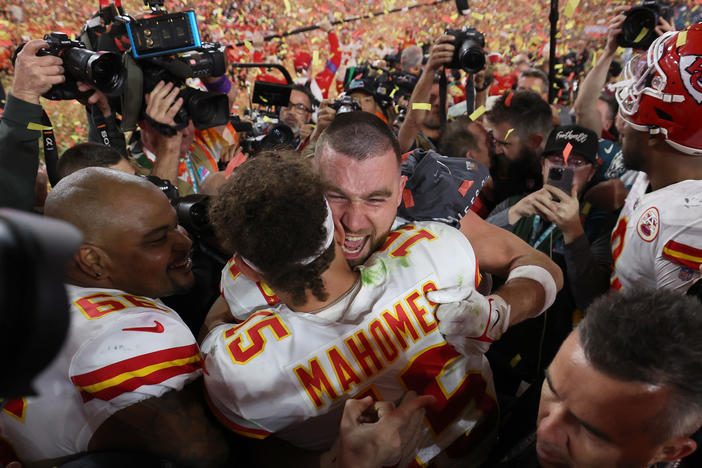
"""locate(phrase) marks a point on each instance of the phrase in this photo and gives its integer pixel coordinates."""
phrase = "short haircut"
(88, 154)
(271, 212)
(411, 57)
(612, 106)
(306, 90)
(525, 111)
(652, 337)
(456, 139)
(536, 73)
(358, 135)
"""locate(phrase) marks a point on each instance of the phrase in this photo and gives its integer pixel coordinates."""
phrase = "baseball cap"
(363, 83)
(583, 141)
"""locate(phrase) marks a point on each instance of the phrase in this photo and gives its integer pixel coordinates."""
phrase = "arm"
(19, 146)
(586, 113)
(97, 103)
(174, 426)
(218, 314)
(441, 54)
(162, 104)
(499, 252)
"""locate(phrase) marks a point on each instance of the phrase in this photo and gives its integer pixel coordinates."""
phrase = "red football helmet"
(661, 92)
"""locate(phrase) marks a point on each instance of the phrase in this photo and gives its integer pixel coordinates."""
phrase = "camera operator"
(421, 127)
(21, 124)
(298, 114)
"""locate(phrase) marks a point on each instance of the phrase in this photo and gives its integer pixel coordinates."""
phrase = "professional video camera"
(469, 54)
(642, 20)
(103, 70)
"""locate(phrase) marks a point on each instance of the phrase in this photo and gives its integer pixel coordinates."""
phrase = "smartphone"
(561, 177)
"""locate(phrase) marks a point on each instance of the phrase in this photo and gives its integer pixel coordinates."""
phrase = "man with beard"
(298, 113)
(520, 123)
(657, 241)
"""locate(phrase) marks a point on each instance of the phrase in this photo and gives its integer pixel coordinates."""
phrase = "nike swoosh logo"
(158, 328)
(609, 150)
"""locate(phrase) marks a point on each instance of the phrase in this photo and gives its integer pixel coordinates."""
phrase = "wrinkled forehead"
(340, 171)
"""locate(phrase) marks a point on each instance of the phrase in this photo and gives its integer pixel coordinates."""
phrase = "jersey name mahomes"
(373, 346)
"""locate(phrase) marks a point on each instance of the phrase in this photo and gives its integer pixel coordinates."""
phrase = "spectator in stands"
(411, 59)
(535, 80)
(520, 123)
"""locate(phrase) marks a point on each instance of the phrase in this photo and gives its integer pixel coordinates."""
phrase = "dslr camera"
(103, 70)
(638, 30)
(469, 54)
(345, 104)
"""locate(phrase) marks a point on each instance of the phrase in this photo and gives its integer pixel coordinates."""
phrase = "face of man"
(588, 419)
(298, 112)
(506, 141)
(482, 153)
(534, 84)
(604, 110)
(364, 196)
(634, 148)
(365, 100)
(149, 253)
(583, 170)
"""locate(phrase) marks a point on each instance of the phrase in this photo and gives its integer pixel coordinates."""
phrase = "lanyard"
(192, 173)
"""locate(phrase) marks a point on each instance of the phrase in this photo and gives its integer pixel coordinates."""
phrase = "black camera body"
(103, 70)
(643, 16)
(345, 104)
(469, 54)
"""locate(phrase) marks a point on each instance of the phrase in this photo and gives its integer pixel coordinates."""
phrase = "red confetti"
(463, 189)
(236, 161)
(508, 100)
(407, 198)
(566, 152)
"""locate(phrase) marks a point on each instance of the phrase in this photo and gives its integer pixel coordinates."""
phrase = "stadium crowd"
(428, 239)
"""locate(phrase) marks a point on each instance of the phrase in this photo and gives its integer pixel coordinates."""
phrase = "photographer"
(421, 127)
(298, 114)
(21, 124)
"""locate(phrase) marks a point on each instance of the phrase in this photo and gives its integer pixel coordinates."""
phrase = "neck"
(338, 279)
(672, 167)
(432, 133)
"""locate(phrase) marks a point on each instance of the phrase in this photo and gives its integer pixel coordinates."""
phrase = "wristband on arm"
(541, 276)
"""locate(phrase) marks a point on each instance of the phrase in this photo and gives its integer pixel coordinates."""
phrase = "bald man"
(127, 377)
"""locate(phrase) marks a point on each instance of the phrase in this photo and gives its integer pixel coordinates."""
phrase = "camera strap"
(100, 124)
(50, 152)
(442, 97)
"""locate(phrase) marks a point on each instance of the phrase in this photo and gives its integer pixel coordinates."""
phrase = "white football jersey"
(657, 242)
(120, 349)
(289, 373)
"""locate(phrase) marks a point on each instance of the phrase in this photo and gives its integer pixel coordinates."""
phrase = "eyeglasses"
(300, 107)
(575, 162)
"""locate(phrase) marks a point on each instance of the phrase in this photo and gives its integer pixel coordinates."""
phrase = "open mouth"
(184, 265)
(353, 245)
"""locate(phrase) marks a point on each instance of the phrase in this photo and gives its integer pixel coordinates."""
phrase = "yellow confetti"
(570, 8)
(477, 16)
(36, 126)
(421, 106)
(641, 35)
(682, 39)
(509, 132)
(515, 360)
(315, 57)
(287, 6)
(248, 46)
(477, 113)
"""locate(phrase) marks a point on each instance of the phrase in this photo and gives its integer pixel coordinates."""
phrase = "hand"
(306, 130)
(530, 205)
(325, 116)
(441, 53)
(565, 213)
(163, 103)
(470, 321)
(393, 437)
(664, 26)
(34, 75)
(97, 98)
(614, 29)
(325, 25)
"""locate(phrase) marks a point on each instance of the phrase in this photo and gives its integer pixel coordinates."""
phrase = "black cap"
(583, 140)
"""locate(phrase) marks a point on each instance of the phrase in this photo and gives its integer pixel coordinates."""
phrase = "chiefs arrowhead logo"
(691, 74)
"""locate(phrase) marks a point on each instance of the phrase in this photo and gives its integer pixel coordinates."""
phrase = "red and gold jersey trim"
(234, 427)
(125, 376)
(682, 254)
(17, 408)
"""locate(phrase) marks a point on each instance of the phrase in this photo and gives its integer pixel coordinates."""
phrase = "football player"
(657, 241)
(127, 375)
(340, 333)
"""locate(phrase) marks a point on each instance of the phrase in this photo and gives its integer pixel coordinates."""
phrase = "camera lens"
(100, 69)
(636, 21)
(206, 109)
(471, 56)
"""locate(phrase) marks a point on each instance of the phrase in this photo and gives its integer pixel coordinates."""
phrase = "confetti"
(477, 113)
(570, 8)
(641, 35)
(287, 6)
(36, 126)
(566, 152)
(421, 106)
(682, 39)
(509, 132)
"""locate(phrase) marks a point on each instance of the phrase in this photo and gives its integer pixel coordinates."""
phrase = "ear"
(246, 270)
(92, 261)
(403, 181)
(674, 449)
(592, 172)
(534, 141)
